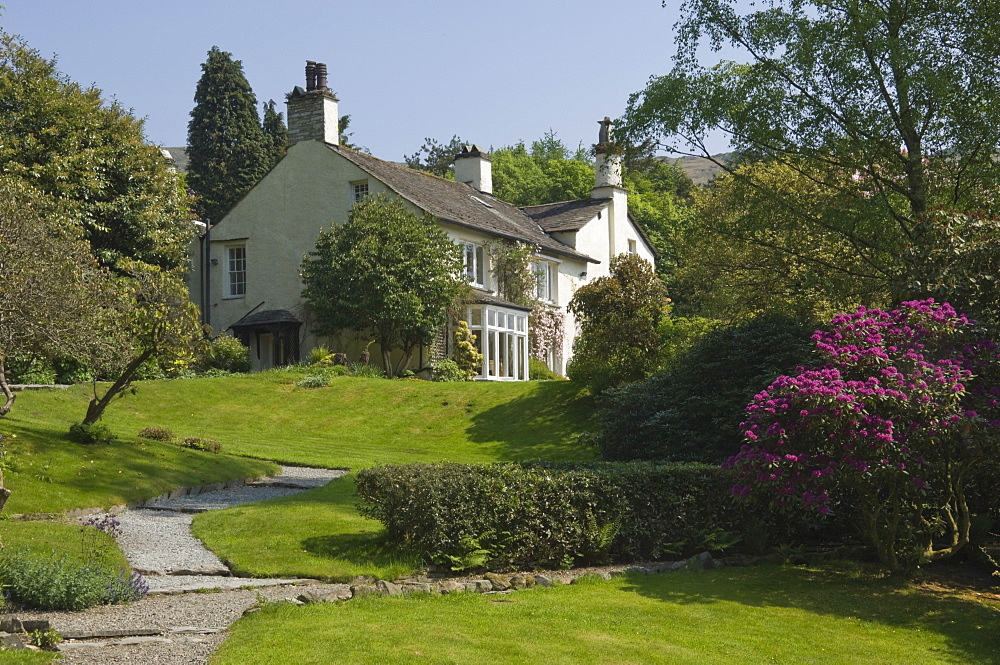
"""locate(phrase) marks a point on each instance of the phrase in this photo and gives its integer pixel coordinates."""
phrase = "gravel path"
(170, 627)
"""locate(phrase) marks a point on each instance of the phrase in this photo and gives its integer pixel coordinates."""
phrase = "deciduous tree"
(51, 285)
(386, 270)
(888, 105)
(618, 317)
(65, 141)
(150, 317)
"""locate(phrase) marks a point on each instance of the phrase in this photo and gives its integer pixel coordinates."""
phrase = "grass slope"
(747, 616)
(355, 422)
(352, 423)
(46, 472)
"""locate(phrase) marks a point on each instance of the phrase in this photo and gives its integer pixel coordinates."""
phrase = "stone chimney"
(474, 167)
(312, 113)
(607, 160)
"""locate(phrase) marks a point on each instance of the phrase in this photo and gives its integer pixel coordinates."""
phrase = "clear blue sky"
(491, 72)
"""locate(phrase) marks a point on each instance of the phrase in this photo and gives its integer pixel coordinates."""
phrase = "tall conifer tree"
(227, 148)
(275, 133)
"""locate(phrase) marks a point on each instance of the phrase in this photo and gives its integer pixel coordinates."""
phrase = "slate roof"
(565, 215)
(265, 318)
(458, 204)
(481, 297)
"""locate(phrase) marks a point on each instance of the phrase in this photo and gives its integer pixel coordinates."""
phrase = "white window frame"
(474, 258)
(633, 247)
(236, 271)
(359, 191)
(502, 338)
(547, 281)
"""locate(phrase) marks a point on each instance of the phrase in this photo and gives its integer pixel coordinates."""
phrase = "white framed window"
(502, 338)
(359, 190)
(633, 248)
(546, 281)
(236, 271)
(475, 264)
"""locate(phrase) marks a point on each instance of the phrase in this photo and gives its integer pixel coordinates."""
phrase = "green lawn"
(353, 423)
(46, 472)
(78, 543)
(747, 616)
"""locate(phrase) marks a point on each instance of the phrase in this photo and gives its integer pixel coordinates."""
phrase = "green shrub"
(52, 582)
(91, 434)
(317, 354)
(30, 371)
(156, 433)
(366, 371)
(691, 411)
(527, 515)
(314, 381)
(448, 370)
(226, 355)
(198, 443)
(539, 371)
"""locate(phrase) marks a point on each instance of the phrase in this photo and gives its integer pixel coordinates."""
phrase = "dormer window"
(475, 264)
(359, 190)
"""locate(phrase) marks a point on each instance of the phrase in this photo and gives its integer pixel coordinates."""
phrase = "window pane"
(477, 316)
(492, 317)
(520, 324)
(480, 266)
(501, 320)
(492, 364)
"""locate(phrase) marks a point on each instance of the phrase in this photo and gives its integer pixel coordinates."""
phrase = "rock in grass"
(499, 582)
(359, 590)
(388, 588)
(479, 586)
(11, 641)
(450, 586)
(544, 580)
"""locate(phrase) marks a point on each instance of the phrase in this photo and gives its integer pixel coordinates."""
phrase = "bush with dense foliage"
(156, 433)
(691, 410)
(448, 370)
(54, 582)
(203, 444)
(228, 354)
(539, 371)
(904, 411)
(618, 317)
(95, 433)
(503, 516)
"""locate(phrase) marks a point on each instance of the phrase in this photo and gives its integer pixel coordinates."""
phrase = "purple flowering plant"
(905, 406)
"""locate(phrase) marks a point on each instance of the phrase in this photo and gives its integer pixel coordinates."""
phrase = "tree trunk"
(97, 405)
(8, 393)
(404, 361)
(387, 362)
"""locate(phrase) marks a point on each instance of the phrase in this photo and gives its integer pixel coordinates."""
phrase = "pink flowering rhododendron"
(905, 405)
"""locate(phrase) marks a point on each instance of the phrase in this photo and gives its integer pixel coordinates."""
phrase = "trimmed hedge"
(507, 515)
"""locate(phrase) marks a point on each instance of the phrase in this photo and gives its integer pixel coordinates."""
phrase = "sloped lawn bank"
(747, 615)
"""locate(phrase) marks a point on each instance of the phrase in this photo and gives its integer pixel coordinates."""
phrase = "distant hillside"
(700, 169)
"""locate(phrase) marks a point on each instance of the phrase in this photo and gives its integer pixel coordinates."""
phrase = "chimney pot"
(321, 76)
(310, 75)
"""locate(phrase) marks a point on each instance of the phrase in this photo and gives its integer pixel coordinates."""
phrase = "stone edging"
(178, 493)
(496, 583)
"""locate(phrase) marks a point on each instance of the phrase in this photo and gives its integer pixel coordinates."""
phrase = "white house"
(245, 271)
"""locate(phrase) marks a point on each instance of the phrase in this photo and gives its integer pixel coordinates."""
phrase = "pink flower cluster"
(899, 390)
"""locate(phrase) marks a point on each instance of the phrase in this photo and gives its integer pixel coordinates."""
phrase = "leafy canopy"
(618, 317)
(67, 143)
(888, 108)
(227, 147)
(386, 270)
